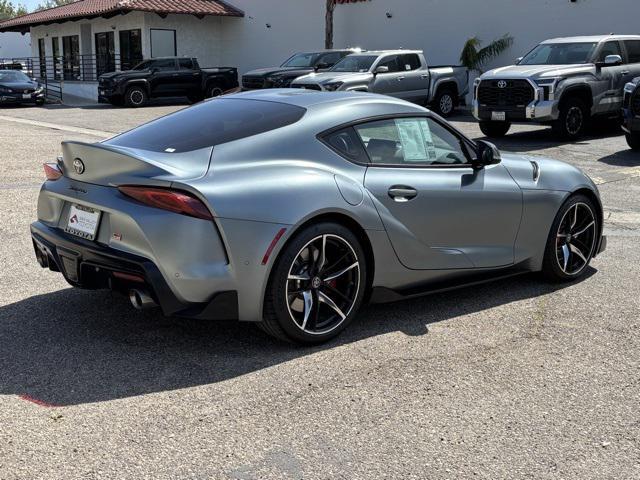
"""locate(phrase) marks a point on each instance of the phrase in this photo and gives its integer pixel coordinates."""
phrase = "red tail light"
(52, 171)
(172, 200)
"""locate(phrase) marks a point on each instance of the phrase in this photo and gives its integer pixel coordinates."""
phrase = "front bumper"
(87, 264)
(18, 99)
(538, 111)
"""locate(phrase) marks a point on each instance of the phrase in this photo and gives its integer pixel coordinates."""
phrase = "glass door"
(105, 53)
(71, 57)
(130, 49)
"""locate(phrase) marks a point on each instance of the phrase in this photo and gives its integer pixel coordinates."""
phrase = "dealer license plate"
(26, 95)
(83, 222)
(498, 116)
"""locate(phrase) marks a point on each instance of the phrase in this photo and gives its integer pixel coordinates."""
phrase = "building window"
(42, 57)
(105, 53)
(130, 48)
(71, 57)
(163, 43)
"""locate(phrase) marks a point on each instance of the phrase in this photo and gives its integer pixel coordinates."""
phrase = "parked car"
(165, 77)
(631, 113)
(399, 73)
(563, 82)
(310, 204)
(295, 66)
(18, 88)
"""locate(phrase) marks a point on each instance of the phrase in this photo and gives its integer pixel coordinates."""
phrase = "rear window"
(209, 124)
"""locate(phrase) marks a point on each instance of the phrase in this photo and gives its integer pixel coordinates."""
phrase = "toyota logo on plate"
(502, 84)
(78, 166)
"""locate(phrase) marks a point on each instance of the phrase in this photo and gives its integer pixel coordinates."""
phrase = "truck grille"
(252, 83)
(515, 94)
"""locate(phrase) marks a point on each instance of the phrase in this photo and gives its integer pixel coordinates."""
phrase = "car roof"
(592, 38)
(392, 52)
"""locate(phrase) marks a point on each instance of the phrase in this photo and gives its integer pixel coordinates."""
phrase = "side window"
(633, 50)
(185, 64)
(164, 64)
(411, 142)
(391, 62)
(348, 144)
(331, 58)
(410, 61)
(609, 48)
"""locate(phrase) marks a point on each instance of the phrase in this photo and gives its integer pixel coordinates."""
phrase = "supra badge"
(78, 166)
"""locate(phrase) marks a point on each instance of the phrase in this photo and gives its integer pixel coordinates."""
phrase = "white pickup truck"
(399, 73)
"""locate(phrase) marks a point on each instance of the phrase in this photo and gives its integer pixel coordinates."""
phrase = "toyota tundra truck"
(399, 73)
(563, 82)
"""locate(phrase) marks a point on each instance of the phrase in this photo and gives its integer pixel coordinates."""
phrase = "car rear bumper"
(87, 264)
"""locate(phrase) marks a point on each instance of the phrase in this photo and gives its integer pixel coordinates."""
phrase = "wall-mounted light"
(268, 25)
(389, 15)
(113, 27)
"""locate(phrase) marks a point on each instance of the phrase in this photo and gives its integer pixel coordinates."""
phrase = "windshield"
(354, 63)
(13, 77)
(302, 60)
(559, 54)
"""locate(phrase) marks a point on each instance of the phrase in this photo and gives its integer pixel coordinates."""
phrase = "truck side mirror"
(381, 69)
(321, 66)
(610, 61)
(518, 60)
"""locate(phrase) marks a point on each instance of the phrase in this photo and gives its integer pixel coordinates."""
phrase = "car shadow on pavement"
(73, 346)
(623, 158)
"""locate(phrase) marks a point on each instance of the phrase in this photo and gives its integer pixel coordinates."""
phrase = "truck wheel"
(572, 120)
(633, 140)
(495, 129)
(214, 91)
(135, 97)
(444, 103)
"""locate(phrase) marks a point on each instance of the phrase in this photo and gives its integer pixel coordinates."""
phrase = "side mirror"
(610, 61)
(321, 66)
(518, 60)
(381, 69)
(488, 154)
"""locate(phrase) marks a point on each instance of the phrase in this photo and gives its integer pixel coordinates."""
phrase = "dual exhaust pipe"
(141, 300)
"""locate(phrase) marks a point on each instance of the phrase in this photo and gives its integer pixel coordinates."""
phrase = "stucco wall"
(13, 44)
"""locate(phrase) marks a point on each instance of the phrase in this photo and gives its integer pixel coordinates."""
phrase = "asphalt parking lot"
(514, 379)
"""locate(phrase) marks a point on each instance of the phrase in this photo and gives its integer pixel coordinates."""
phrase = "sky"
(30, 4)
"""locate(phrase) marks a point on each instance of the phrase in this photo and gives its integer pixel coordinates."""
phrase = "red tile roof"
(94, 8)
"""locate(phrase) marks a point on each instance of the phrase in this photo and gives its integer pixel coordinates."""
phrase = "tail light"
(171, 200)
(52, 171)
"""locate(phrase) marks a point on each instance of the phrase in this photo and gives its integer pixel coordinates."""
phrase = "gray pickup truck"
(563, 82)
(399, 73)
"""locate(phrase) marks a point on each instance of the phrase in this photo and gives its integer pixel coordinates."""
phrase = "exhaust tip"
(141, 300)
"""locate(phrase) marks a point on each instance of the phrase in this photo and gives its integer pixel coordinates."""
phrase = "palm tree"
(474, 58)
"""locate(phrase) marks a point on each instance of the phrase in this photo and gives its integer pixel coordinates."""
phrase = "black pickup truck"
(165, 77)
(296, 66)
(631, 113)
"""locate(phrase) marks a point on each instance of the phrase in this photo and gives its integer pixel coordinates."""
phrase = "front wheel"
(633, 140)
(572, 121)
(495, 129)
(317, 285)
(135, 97)
(572, 240)
(444, 103)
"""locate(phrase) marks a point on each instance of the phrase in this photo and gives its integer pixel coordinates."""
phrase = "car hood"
(19, 85)
(532, 172)
(332, 77)
(537, 71)
(125, 74)
(266, 72)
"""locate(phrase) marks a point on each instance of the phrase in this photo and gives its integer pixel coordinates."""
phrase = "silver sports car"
(293, 208)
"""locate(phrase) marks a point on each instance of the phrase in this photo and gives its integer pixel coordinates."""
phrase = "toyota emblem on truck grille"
(502, 84)
(78, 166)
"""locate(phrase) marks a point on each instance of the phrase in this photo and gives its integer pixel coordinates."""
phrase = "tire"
(213, 91)
(307, 317)
(135, 97)
(561, 261)
(633, 140)
(445, 103)
(573, 119)
(495, 129)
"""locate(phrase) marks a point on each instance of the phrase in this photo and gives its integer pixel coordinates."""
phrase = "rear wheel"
(214, 91)
(633, 140)
(317, 285)
(573, 119)
(444, 104)
(572, 240)
(135, 97)
(495, 129)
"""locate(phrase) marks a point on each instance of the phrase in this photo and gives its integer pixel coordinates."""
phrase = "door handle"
(425, 76)
(401, 78)
(402, 193)
(626, 72)
(175, 74)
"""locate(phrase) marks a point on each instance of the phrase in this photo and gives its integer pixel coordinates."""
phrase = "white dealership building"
(253, 33)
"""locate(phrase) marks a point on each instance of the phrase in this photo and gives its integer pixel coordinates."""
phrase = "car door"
(632, 48)
(439, 212)
(189, 79)
(416, 82)
(610, 78)
(392, 82)
(164, 77)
